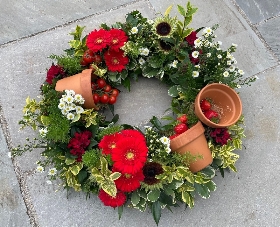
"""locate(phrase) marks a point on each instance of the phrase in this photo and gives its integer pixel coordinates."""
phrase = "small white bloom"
(174, 64)
(43, 132)
(226, 74)
(141, 61)
(234, 45)
(228, 62)
(64, 112)
(168, 150)
(195, 74)
(70, 116)
(197, 66)
(70, 92)
(134, 30)
(195, 54)
(144, 51)
(238, 86)
(231, 68)
(79, 109)
(207, 31)
(234, 61)
(150, 21)
(197, 42)
(48, 182)
(61, 105)
(148, 127)
(219, 56)
(52, 171)
(165, 140)
(40, 169)
(240, 71)
(79, 99)
(69, 99)
(208, 55)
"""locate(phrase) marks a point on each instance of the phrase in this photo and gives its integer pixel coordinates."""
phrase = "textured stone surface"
(270, 31)
(259, 10)
(13, 212)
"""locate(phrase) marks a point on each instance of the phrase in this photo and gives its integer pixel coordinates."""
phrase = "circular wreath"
(123, 164)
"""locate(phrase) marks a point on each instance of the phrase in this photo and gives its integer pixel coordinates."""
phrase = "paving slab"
(259, 10)
(31, 17)
(13, 212)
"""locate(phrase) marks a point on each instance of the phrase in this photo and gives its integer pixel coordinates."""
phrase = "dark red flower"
(115, 60)
(129, 182)
(53, 72)
(109, 142)
(118, 38)
(97, 40)
(108, 200)
(150, 170)
(221, 135)
(130, 155)
(191, 38)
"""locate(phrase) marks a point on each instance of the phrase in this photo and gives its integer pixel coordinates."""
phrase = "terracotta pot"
(194, 141)
(227, 101)
(81, 84)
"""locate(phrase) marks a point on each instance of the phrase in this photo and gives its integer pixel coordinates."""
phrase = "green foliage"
(91, 158)
(70, 64)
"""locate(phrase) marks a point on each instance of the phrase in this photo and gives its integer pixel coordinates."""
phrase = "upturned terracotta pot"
(81, 84)
(193, 141)
(227, 101)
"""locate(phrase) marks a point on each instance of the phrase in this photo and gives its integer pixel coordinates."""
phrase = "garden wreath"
(170, 160)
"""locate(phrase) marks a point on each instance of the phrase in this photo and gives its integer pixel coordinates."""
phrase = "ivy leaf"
(173, 91)
(135, 198)
(153, 195)
(156, 211)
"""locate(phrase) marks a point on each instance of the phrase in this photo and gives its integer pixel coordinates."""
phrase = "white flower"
(234, 45)
(208, 55)
(68, 99)
(52, 171)
(168, 150)
(231, 68)
(228, 62)
(226, 74)
(70, 116)
(43, 132)
(141, 61)
(238, 86)
(240, 71)
(197, 42)
(148, 127)
(40, 169)
(61, 105)
(79, 99)
(195, 54)
(174, 64)
(165, 140)
(48, 182)
(219, 56)
(197, 66)
(150, 21)
(144, 51)
(79, 109)
(195, 74)
(70, 92)
(219, 43)
(64, 112)
(134, 30)
(207, 31)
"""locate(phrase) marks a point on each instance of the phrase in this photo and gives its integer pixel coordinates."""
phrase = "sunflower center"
(115, 61)
(115, 40)
(130, 155)
(151, 172)
(99, 40)
(163, 28)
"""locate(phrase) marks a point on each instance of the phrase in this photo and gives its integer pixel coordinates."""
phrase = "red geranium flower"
(191, 38)
(129, 182)
(53, 72)
(109, 142)
(130, 155)
(108, 200)
(115, 60)
(118, 38)
(97, 40)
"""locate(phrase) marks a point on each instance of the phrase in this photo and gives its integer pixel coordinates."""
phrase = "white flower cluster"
(70, 103)
(43, 132)
(166, 141)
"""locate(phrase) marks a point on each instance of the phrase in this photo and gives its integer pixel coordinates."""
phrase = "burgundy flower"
(191, 38)
(220, 135)
(53, 72)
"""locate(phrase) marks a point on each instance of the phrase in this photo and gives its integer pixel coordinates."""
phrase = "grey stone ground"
(32, 30)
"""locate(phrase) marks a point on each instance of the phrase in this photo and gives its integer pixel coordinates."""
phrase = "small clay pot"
(227, 101)
(81, 84)
(193, 141)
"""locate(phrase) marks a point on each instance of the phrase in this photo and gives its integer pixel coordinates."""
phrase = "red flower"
(221, 135)
(109, 142)
(115, 60)
(53, 72)
(191, 38)
(133, 133)
(97, 40)
(130, 155)
(129, 182)
(118, 38)
(108, 200)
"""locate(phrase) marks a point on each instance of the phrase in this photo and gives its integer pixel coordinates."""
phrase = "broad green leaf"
(76, 169)
(135, 198)
(82, 175)
(211, 186)
(208, 171)
(202, 190)
(120, 211)
(167, 11)
(153, 195)
(69, 161)
(181, 10)
(188, 199)
(156, 211)
(114, 176)
(173, 91)
(142, 194)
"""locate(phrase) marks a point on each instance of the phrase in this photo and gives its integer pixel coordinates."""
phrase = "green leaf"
(135, 198)
(82, 175)
(114, 176)
(156, 211)
(76, 169)
(181, 10)
(69, 161)
(153, 195)
(167, 11)
(173, 91)
(211, 186)
(120, 211)
(208, 171)
(202, 190)
(166, 199)
(45, 120)
(142, 194)
(188, 199)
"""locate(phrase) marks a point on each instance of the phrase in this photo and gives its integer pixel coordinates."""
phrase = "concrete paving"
(32, 30)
